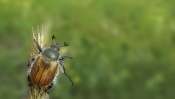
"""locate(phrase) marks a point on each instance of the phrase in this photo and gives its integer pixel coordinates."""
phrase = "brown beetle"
(45, 66)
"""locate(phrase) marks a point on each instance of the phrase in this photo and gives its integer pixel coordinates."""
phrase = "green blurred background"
(123, 49)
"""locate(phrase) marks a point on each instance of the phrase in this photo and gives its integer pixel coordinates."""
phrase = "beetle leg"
(64, 69)
(38, 46)
(29, 80)
(48, 88)
(29, 63)
(64, 57)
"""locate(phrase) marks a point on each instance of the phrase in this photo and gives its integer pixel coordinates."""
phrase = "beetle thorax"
(50, 54)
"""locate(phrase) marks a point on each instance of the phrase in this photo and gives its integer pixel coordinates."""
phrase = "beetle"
(44, 67)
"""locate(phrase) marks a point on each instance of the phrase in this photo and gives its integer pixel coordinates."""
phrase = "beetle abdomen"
(43, 73)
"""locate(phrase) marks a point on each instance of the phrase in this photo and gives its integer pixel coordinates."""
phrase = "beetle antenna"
(53, 37)
(65, 44)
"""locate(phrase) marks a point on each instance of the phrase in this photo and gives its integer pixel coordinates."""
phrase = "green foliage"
(122, 49)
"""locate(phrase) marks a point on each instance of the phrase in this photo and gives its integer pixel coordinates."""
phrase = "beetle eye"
(58, 49)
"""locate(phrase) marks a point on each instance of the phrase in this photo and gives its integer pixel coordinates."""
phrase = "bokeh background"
(123, 49)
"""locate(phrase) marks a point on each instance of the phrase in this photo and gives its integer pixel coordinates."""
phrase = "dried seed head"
(34, 91)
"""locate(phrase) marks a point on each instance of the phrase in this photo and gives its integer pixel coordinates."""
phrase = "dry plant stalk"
(34, 91)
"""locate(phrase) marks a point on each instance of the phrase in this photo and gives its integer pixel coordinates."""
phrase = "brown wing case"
(43, 73)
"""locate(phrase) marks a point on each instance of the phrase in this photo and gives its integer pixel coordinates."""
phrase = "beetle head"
(51, 53)
(55, 46)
